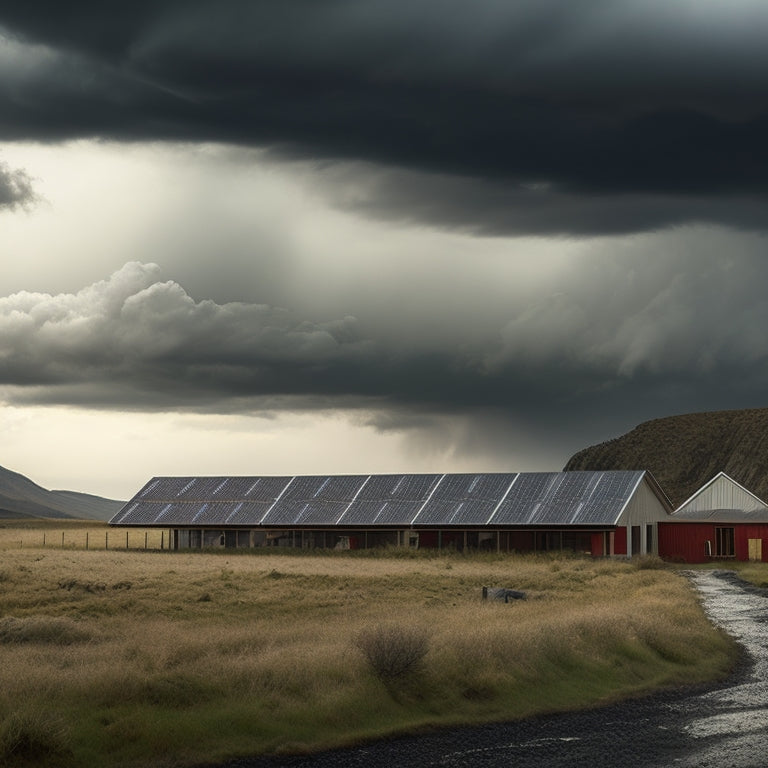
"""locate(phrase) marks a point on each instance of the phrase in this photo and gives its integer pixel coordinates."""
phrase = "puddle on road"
(741, 708)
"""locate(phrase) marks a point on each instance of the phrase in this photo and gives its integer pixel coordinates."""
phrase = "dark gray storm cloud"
(15, 188)
(541, 109)
(612, 344)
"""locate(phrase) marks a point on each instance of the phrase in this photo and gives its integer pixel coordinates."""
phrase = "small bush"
(648, 563)
(85, 586)
(393, 651)
(42, 629)
(32, 738)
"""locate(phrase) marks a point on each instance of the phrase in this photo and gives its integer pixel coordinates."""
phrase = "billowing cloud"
(134, 340)
(608, 343)
(15, 188)
(543, 117)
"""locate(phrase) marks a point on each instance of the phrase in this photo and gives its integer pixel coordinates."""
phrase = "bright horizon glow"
(112, 454)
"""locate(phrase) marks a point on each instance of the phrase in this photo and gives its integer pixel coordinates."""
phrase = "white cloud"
(136, 331)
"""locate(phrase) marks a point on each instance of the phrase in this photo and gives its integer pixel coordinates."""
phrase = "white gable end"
(722, 492)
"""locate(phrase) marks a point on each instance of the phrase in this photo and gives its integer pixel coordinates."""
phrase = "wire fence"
(83, 538)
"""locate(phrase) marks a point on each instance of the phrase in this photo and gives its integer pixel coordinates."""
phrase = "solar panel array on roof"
(498, 499)
(557, 498)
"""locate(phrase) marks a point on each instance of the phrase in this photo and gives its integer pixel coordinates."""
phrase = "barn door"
(755, 549)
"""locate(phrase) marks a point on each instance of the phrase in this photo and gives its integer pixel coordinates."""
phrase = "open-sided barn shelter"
(721, 521)
(600, 513)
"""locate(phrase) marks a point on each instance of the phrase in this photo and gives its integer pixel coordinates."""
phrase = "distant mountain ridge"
(684, 452)
(20, 497)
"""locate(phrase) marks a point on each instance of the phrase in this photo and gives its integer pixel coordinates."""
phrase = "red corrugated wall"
(687, 542)
(620, 541)
(751, 531)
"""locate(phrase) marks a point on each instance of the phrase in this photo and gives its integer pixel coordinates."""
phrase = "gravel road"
(718, 727)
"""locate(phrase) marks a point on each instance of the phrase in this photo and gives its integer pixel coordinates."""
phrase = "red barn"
(721, 521)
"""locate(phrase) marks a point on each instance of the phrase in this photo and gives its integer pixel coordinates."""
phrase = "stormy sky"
(298, 236)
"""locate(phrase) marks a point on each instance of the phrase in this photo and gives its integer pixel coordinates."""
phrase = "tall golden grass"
(169, 658)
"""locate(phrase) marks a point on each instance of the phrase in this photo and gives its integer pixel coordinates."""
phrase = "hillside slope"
(20, 497)
(684, 452)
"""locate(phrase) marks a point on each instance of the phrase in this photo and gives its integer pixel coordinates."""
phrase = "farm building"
(600, 513)
(722, 520)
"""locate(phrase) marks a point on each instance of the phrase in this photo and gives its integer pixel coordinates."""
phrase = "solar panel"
(566, 498)
(390, 499)
(523, 500)
(465, 499)
(609, 496)
(381, 513)
(191, 488)
(163, 488)
(316, 500)
(259, 489)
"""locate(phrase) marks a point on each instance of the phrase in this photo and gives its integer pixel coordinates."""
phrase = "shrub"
(32, 738)
(393, 651)
(648, 563)
(42, 629)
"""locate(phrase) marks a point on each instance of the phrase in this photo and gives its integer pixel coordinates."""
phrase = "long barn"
(600, 513)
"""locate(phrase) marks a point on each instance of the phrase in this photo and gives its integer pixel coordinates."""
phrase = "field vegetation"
(154, 658)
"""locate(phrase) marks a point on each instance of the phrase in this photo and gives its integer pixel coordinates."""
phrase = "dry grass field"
(134, 658)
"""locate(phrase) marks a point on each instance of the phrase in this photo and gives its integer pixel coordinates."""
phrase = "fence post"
(86, 539)
(126, 540)
(43, 538)
(62, 539)
(162, 539)
(146, 533)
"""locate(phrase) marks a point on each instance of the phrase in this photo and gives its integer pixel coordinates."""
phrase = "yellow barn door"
(755, 549)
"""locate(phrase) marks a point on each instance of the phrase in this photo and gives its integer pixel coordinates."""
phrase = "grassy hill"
(684, 452)
(20, 497)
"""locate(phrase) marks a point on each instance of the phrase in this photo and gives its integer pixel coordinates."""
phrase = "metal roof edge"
(653, 484)
(658, 490)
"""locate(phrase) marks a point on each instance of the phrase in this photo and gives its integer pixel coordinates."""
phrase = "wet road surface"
(721, 727)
